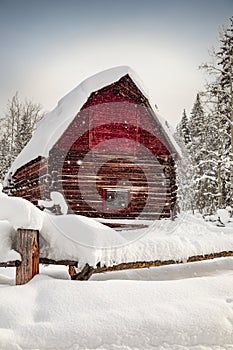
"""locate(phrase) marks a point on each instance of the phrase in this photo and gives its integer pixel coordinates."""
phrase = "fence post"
(27, 244)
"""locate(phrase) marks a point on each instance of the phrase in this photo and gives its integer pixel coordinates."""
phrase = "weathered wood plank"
(14, 263)
(28, 246)
(88, 270)
(47, 261)
(147, 264)
(83, 275)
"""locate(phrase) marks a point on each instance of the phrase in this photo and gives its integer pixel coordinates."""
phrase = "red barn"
(104, 149)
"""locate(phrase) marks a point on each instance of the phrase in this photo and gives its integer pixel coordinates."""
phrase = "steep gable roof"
(53, 125)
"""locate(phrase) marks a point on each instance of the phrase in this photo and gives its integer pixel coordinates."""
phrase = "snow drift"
(88, 241)
(188, 307)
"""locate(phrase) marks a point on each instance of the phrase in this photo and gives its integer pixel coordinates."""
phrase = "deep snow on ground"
(177, 307)
(88, 241)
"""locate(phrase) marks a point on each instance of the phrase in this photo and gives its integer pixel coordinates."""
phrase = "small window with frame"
(116, 199)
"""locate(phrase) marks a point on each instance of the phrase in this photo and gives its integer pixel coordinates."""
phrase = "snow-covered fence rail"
(13, 263)
(47, 261)
(154, 263)
(27, 245)
(87, 271)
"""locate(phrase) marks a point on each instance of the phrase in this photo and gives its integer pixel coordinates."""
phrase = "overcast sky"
(49, 46)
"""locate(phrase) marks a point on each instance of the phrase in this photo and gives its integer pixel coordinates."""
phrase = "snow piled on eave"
(52, 126)
(169, 132)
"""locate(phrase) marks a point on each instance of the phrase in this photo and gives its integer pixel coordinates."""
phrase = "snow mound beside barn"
(88, 241)
(68, 236)
(7, 234)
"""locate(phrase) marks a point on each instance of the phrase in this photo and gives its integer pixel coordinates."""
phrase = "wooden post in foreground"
(27, 245)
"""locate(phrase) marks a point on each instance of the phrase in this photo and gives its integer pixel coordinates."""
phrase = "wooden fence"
(27, 244)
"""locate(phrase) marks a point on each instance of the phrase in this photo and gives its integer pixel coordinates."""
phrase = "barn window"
(116, 199)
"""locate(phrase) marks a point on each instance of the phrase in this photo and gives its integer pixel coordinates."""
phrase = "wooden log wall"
(82, 184)
(29, 181)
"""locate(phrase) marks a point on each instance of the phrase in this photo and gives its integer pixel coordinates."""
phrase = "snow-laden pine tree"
(198, 153)
(185, 131)
(4, 156)
(219, 95)
(210, 165)
(217, 136)
(184, 166)
(16, 130)
(211, 133)
(225, 61)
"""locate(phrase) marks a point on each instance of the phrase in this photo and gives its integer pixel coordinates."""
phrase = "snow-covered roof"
(52, 126)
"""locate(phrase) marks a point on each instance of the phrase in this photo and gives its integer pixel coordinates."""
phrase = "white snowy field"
(176, 307)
